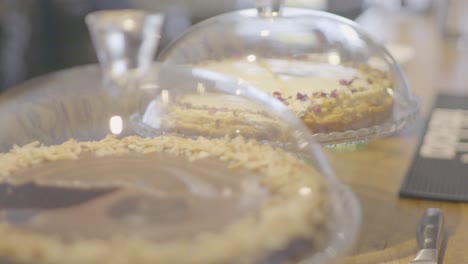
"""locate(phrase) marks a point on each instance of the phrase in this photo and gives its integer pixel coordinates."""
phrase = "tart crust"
(296, 208)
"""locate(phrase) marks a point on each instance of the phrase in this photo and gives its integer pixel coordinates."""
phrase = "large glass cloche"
(345, 86)
(136, 162)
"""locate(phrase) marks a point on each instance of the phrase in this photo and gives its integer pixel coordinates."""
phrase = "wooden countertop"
(376, 171)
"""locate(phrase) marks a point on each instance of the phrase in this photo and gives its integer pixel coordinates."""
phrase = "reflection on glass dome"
(116, 125)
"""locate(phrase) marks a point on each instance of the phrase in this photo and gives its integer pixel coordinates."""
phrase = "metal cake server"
(429, 236)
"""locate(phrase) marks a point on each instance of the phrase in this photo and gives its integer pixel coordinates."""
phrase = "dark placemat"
(439, 170)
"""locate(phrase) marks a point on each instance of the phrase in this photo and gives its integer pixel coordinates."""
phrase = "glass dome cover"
(136, 163)
(345, 86)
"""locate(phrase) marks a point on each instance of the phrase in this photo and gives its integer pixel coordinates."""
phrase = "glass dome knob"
(268, 8)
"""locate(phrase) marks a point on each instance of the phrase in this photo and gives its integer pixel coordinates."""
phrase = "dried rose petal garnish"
(346, 82)
(316, 108)
(334, 94)
(319, 94)
(281, 99)
(301, 97)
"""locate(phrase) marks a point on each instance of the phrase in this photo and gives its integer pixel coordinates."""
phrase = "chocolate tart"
(146, 200)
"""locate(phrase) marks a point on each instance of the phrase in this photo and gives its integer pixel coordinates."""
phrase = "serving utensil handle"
(429, 233)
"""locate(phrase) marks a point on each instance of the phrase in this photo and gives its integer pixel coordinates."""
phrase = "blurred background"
(41, 36)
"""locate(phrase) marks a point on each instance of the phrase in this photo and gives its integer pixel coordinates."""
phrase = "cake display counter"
(136, 162)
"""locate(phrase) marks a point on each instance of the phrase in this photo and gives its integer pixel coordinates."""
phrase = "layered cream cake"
(157, 200)
(327, 97)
